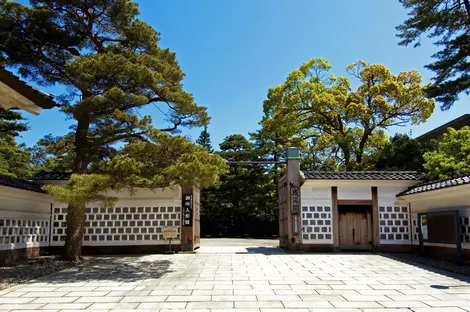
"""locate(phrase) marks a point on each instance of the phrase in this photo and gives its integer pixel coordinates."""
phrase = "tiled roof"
(47, 175)
(363, 175)
(37, 96)
(436, 185)
(20, 184)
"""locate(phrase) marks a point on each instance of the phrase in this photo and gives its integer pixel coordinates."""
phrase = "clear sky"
(233, 51)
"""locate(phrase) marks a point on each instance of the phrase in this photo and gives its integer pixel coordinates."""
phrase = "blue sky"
(233, 51)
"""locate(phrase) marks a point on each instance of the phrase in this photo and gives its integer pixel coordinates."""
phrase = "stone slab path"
(247, 279)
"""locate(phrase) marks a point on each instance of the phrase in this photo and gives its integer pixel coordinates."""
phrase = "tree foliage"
(111, 65)
(204, 140)
(448, 21)
(452, 158)
(244, 201)
(344, 126)
(403, 153)
(14, 158)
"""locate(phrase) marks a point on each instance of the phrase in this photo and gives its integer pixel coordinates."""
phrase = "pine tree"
(14, 158)
(205, 140)
(111, 65)
(448, 21)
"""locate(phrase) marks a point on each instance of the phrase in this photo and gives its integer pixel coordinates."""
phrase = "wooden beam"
(334, 211)
(352, 202)
(375, 218)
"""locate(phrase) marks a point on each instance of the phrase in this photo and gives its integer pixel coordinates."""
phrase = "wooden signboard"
(295, 199)
(187, 210)
(170, 232)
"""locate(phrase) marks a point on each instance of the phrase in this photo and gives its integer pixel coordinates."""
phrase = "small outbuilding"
(367, 210)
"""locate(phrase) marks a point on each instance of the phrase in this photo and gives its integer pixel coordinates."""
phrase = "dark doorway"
(355, 227)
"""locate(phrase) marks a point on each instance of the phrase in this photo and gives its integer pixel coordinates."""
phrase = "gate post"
(190, 216)
(294, 214)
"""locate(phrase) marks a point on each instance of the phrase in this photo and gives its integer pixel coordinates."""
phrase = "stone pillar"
(294, 220)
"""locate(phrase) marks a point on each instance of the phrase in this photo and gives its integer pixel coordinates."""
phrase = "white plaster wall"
(24, 218)
(359, 190)
(150, 214)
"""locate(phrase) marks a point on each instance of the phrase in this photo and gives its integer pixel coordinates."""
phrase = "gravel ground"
(27, 270)
(444, 265)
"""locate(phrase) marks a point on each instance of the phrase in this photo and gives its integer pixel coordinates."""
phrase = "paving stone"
(449, 303)
(36, 294)
(258, 304)
(234, 298)
(15, 300)
(54, 300)
(144, 298)
(210, 305)
(68, 306)
(356, 304)
(187, 298)
(162, 305)
(22, 306)
(307, 304)
(113, 306)
(404, 304)
(99, 299)
(87, 293)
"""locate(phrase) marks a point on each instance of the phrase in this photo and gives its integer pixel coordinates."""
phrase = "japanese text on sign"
(187, 210)
(295, 199)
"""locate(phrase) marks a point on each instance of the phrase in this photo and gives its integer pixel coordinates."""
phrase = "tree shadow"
(126, 268)
(451, 270)
(264, 250)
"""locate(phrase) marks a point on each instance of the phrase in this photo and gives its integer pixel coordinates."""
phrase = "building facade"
(369, 210)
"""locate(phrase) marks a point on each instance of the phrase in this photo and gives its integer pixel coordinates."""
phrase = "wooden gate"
(353, 230)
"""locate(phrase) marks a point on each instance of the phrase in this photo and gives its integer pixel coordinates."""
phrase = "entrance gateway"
(355, 210)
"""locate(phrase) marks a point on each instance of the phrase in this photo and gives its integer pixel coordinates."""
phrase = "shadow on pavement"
(113, 269)
(264, 250)
(448, 269)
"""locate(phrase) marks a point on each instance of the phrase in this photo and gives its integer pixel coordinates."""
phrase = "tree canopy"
(343, 126)
(244, 201)
(448, 21)
(403, 153)
(14, 158)
(452, 158)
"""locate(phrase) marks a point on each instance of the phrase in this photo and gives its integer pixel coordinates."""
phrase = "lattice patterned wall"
(394, 224)
(18, 232)
(317, 224)
(120, 225)
(464, 224)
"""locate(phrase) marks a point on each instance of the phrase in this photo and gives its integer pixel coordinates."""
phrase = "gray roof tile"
(20, 184)
(363, 175)
(436, 185)
(47, 175)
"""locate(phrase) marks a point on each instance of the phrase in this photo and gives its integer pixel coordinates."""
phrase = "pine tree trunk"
(76, 211)
(75, 230)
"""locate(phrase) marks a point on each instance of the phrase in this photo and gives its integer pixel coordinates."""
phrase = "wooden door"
(353, 230)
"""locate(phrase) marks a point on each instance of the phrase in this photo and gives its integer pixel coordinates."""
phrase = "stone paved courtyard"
(244, 279)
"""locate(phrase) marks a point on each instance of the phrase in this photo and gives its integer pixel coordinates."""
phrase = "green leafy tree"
(403, 153)
(14, 158)
(448, 21)
(205, 140)
(111, 65)
(244, 201)
(452, 157)
(343, 125)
